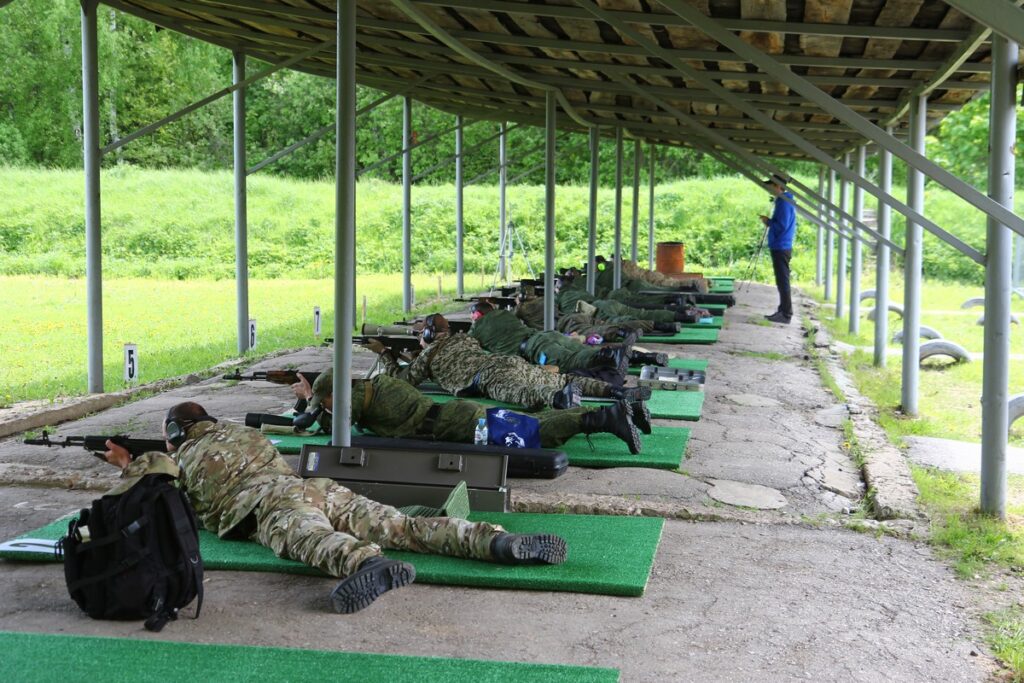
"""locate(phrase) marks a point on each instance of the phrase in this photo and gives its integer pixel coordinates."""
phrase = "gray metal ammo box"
(671, 379)
(398, 476)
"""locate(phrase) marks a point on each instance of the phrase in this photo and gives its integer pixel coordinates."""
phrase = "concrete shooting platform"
(756, 577)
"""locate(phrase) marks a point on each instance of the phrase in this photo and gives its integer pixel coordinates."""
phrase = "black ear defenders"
(176, 428)
(429, 334)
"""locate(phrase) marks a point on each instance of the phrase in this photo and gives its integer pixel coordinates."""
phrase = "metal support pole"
(549, 208)
(595, 149)
(841, 250)
(502, 181)
(344, 224)
(912, 263)
(617, 250)
(406, 204)
(830, 239)
(91, 155)
(1018, 260)
(855, 259)
(819, 246)
(650, 210)
(635, 233)
(995, 373)
(241, 207)
(882, 259)
(459, 225)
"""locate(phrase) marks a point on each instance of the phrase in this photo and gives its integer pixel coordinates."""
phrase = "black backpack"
(135, 555)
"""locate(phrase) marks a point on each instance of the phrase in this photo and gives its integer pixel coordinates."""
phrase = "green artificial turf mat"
(663, 449)
(721, 288)
(674, 405)
(697, 364)
(715, 324)
(607, 555)
(696, 334)
(43, 657)
(721, 278)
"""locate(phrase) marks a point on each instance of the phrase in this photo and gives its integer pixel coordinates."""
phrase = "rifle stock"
(98, 444)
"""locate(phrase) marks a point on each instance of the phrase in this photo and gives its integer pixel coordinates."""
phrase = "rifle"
(497, 301)
(288, 377)
(454, 325)
(98, 444)
(397, 345)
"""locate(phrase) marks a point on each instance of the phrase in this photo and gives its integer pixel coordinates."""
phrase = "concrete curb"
(35, 414)
(892, 491)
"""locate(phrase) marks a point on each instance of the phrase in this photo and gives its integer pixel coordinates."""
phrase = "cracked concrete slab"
(745, 495)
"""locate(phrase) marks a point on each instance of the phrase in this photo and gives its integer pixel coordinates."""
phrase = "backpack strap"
(188, 541)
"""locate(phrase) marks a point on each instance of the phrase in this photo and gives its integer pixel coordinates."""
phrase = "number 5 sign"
(131, 363)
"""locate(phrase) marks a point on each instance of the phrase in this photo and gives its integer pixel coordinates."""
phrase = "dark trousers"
(780, 264)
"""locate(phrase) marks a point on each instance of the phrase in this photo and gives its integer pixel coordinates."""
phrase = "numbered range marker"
(316, 321)
(131, 363)
(252, 333)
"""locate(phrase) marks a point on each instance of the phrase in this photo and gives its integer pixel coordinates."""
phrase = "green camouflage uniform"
(397, 409)
(531, 312)
(606, 308)
(501, 331)
(240, 485)
(457, 362)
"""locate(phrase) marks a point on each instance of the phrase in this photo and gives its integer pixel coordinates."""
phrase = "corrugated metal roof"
(630, 63)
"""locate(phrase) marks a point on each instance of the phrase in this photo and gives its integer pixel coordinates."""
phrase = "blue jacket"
(782, 224)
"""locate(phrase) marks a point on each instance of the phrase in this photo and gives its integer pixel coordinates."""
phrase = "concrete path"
(957, 456)
(763, 583)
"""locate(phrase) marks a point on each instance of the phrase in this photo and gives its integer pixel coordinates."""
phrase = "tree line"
(147, 73)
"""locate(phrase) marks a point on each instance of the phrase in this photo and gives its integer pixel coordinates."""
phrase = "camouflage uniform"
(568, 298)
(633, 271)
(459, 365)
(531, 312)
(501, 331)
(240, 486)
(387, 406)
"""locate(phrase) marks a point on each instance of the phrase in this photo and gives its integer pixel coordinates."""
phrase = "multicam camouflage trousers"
(327, 526)
(513, 380)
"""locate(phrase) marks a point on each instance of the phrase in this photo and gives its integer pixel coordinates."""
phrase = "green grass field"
(950, 396)
(179, 326)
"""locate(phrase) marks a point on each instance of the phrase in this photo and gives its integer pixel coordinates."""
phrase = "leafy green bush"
(180, 225)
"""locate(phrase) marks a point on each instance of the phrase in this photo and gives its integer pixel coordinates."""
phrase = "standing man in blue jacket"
(781, 230)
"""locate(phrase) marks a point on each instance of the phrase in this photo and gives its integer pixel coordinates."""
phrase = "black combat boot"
(528, 549)
(615, 419)
(645, 358)
(685, 316)
(667, 327)
(374, 577)
(568, 396)
(630, 394)
(615, 357)
(641, 416)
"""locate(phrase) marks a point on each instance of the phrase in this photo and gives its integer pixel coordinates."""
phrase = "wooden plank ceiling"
(494, 59)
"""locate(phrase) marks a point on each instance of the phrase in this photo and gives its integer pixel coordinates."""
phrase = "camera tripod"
(506, 251)
(755, 258)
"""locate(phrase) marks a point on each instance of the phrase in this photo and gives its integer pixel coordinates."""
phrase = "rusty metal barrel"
(670, 257)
